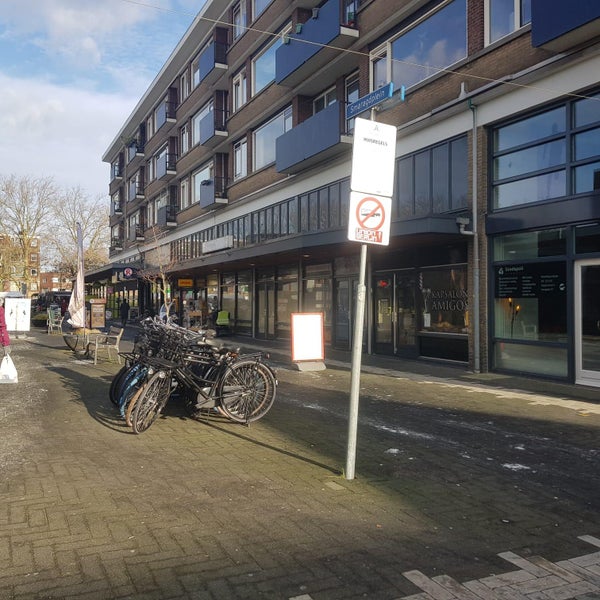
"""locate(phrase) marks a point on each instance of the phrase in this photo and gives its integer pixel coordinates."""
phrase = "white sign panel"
(373, 157)
(17, 312)
(369, 219)
(307, 337)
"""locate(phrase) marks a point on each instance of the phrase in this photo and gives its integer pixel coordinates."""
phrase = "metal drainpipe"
(476, 275)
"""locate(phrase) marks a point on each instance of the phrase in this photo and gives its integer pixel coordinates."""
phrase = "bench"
(106, 341)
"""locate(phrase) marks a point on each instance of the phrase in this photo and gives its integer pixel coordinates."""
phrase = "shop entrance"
(395, 313)
(265, 310)
(587, 322)
(345, 299)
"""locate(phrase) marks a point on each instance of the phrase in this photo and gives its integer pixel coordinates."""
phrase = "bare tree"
(25, 206)
(156, 265)
(73, 207)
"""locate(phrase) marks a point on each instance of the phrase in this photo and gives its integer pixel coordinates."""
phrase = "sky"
(71, 72)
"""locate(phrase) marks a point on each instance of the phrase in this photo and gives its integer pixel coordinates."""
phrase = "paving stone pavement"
(462, 491)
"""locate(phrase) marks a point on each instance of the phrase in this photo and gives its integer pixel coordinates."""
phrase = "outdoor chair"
(55, 321)
(222, 323)
(107, 341)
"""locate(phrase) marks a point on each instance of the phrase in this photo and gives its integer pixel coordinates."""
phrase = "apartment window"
(184, 138)
(258, 7)
(184, 193)
(33, 258)
(263, 66)
(196, 71)
(239, 89)
(151, 213)
(184, 85)
(150, 126)
(433, 43)
(239, 19)
(505, 16)
(197, 118)
(265, 136)
(323, 100)
(352, 95)
(240, 159)
(150, 170)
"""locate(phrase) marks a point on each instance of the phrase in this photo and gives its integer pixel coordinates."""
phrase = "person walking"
(4, 339)
(124, 310)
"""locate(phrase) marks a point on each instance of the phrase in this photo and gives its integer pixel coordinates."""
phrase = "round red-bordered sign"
(364, 215)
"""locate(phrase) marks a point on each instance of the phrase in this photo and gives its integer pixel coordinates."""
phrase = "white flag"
(77, 302)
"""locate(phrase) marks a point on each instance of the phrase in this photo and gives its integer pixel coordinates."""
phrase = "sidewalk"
(464, 489)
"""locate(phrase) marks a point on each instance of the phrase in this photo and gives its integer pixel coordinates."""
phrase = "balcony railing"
(116, 243)
(213, 192)
(133, 150)
(213, 128)
(165, 166)
(310, 48)
(136, 234)
(165, 114)
(167, 216)
(213, 63)
(136, 190)
(318, 138)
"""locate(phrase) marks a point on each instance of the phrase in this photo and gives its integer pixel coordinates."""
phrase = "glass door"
(395, 313)
(587, 322)
(266, 310)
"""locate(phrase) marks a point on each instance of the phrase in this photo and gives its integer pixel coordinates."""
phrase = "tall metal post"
(357, 342)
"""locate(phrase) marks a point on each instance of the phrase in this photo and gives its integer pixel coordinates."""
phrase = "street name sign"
(370, 100)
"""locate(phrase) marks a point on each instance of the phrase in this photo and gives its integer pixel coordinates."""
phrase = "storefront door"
(345, 298)
(265, 310)
(395, 313)
(587, 322)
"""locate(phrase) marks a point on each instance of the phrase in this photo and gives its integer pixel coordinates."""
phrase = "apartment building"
(232, 175)
(20, 265)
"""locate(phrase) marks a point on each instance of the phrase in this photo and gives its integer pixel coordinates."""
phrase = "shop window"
(531, 244)
(445, 300)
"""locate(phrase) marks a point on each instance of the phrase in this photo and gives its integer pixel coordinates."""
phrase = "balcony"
(317, 139)
(116, 207)
(136, 234)
(213, 129)
(212, 65)
(116, 244)
(213, 193)
(557, 25)
(165, 116)
(165, 166)
(136, 191)
(310, 49)
(167, 216)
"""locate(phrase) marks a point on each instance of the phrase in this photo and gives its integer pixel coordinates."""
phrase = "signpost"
(372, 185)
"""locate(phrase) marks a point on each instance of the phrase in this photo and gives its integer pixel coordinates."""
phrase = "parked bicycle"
(168, 358)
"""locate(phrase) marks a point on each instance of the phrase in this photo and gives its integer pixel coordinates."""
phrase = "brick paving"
(463, 490)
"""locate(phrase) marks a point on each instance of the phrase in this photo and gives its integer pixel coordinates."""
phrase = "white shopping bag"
(8, 371)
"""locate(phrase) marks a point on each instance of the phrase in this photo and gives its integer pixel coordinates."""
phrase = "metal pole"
(356, 364)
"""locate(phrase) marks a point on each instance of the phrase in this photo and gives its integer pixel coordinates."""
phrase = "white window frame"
(256, 59)
(239, 19)
(286, 114)
(150, 126)
(203, 112)
(240, 159)
(327, 98)
(205, 172)
(184, 138)
(239, 90)
(184, 193)
(516, 25)
(184, 85)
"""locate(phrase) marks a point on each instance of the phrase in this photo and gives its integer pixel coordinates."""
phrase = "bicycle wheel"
(151, 401)
(116, 383)
(247, 391)
(131, 383)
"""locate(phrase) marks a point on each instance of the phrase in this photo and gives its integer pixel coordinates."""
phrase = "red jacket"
(4, 339)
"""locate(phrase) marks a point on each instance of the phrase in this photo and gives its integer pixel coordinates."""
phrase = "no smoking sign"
(369, 219)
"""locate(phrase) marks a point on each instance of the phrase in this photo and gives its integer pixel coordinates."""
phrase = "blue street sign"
(370, 100)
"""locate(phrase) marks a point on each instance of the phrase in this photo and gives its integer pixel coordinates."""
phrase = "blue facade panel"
(551, 19)
(315, 135)
(207, 61)
(322, 30)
